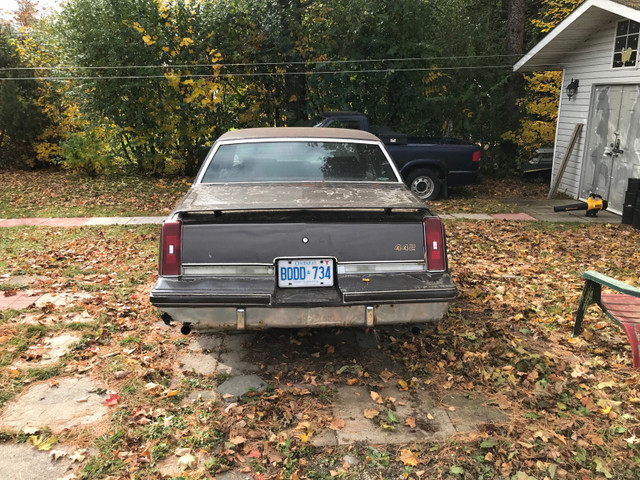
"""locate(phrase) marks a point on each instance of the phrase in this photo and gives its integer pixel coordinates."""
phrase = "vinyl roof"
(550, 52)
(297, 132)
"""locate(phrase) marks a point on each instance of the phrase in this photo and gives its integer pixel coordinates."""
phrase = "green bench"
(622, 307)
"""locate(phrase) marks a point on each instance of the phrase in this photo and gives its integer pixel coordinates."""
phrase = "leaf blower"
(593, 205)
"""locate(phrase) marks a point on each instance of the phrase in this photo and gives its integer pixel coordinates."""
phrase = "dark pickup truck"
(427, 165)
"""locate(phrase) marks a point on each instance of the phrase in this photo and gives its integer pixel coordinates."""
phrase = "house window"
(625, 52)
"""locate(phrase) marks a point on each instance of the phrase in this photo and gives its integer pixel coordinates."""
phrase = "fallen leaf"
(43, 442)
(371, 413)
(56, 455)
(78, 455)
(254, 454)
(352, 381)
(181, 452)
(336, 424)
(410, 422)
(407, 457)
(403, 385)
(375, 396)
(391, 417)
(386, 375)
(112, 400)
(237, 440)
(186, 462)
(82, 399)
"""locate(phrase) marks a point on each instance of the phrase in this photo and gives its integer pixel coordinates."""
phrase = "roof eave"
(528, 62)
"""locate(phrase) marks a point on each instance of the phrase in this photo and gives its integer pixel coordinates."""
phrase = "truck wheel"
(424, 183)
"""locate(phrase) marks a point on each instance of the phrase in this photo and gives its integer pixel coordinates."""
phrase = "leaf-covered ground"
(573, 404)
(52, 193)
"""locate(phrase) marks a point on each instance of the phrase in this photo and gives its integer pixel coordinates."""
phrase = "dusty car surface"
(301, 227)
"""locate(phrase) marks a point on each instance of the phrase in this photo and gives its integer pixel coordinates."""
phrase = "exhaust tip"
(185, 329)
(166, 318)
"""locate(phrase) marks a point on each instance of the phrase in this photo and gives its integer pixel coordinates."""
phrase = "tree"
(538, 105)
(21, 120)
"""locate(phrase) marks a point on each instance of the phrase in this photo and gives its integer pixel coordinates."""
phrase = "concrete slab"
(205, 343)
(472, 216)
(66, 405)
(26, 462)
(542, 209)
(239, 386)
(513, 216)
(48, 352)
(62, 299)
(201, 363)
(233, 354)
(108, 221)
(470, 411)
(146, 220)
(432, 423)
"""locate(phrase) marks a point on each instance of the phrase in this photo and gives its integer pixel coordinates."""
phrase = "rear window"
(299, 161)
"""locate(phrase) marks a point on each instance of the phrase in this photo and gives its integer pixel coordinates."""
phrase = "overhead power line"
(255, 74)
(262, 64)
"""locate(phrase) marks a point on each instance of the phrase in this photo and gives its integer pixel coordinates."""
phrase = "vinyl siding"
(591, 65)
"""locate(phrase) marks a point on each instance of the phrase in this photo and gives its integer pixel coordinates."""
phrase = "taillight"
(476, 155)
(434, 244)
(170, 248)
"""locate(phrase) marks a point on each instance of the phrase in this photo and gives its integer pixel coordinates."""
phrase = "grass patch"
(70, 195)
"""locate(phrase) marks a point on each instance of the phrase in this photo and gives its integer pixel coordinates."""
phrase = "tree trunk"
(516, 18)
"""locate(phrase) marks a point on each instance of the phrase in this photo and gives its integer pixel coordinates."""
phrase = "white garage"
(596, 48)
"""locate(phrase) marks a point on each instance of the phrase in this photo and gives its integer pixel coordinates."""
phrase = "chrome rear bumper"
(256, 318)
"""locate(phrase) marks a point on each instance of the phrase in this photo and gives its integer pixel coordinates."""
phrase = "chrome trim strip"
(228, 270)
(380, 267)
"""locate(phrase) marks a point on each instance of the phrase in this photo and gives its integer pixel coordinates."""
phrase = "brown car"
(301, 227)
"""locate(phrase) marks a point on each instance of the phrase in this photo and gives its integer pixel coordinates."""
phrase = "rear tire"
(425, 183)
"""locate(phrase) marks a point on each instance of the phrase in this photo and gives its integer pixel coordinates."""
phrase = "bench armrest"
(611, 283)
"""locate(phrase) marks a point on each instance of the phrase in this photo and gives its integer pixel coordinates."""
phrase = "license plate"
(305, 272)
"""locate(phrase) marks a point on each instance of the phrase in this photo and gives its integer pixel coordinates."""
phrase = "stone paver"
(232, 358)
(201, 363)
(18, 301)
(471, 411)
(434, 422)
(200, 396)
(239, 386)
(169, 467)
(62, 299)
(66, 405)
(19, 222)
(108, 221)
(65, 222)
(52, 319)
(349, 405)
(50, 350)
(21, 280)
(25, 462)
